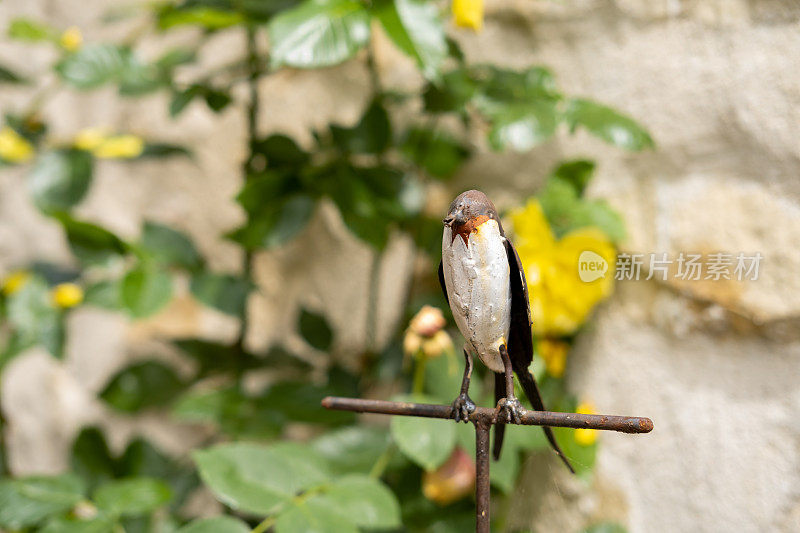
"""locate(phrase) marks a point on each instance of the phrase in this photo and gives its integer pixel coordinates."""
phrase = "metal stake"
(483, 419)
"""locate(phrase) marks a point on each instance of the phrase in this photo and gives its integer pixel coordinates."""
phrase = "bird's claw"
(462, 407)
(512, 409)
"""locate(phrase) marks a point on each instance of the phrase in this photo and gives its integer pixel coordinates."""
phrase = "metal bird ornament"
(484, 284)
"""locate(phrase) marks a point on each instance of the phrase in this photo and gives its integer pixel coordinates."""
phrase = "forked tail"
(532, 392)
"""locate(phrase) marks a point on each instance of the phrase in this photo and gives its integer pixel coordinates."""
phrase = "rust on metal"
(482, 478)
(483, 419)
(468, 227)
(624, 424)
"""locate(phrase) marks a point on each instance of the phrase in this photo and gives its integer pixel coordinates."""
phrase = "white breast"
(477, 280)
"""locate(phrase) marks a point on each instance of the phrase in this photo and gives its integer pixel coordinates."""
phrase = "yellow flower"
(66, 295)
(468, 13)
(120, 146)
(71, 39)
(583, 436)
(13, 147)
(452, 481)
(90, 138)
(560, 300)
(554, 354)
(101, 144)
(15, 281)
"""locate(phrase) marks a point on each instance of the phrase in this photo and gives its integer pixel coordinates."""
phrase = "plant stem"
(268, 522)
(418, 385)
(253, 107)
(372, 303)
(382, 462)
(4, 466)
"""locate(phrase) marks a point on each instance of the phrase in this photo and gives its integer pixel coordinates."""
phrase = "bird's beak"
(448, 220)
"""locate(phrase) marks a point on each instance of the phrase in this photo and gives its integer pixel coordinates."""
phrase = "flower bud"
(452, 481)
(428, 321)
(412, 343)
(14, 148)
(15, 281)
(437, 345)
(468, 13)
(71, 39)
(66, 295)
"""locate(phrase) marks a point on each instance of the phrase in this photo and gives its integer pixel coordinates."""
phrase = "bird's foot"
(462, 407)
(511, 408)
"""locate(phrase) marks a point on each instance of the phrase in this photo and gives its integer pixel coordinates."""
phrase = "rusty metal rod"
(625, 424)
(482, 478)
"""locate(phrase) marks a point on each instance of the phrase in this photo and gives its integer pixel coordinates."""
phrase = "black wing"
(520, 342)
(441, 282)
(520, 345)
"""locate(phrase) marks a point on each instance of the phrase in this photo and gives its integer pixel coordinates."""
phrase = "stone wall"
(715, 365)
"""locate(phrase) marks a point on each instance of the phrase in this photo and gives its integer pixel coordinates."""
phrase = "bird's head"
(469, 210)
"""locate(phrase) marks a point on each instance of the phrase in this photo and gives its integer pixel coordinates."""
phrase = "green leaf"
(94, 65)
(275, 223)
(213, 358)
(29, 501)
(503, 473)
(367, 501)
(219, 524)
(90, 243)
(435, 151)
(60, 179)
(91, 458)
(577, 173)
(300, 402)
(257, 479)
(161, 150)
(206, 17)
(521, 127)
(372, 134)
(416, 28)
(452, 94)
(315, 330)
(352, 449)
(146, 290)
(175, 57)
(34, 318)
(142, 385)
(142, 459)
(426, 441)
(224, 292)
(98, 524)
(316, 515)
(234, 413)
(170, 246)
(566, 211)
(104, 294)
(137, 77)
(132, 496)
(9, 76)
(27, 29)
(281, 152)
(443, 377)
(293, 216)
(318, 33)
(180, 99)
(607, 124)
(217, 99)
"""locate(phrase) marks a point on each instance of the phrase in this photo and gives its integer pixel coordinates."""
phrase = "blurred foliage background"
(271, 457)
